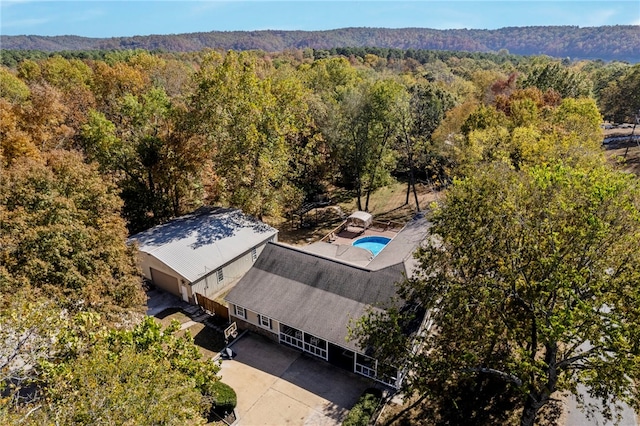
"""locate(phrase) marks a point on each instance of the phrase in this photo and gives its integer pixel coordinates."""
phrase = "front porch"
(339, 356)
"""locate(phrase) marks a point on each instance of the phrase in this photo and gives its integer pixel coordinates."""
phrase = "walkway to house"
(277, 385)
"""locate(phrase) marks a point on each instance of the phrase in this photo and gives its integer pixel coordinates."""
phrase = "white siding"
(209, 286)
(252, 318)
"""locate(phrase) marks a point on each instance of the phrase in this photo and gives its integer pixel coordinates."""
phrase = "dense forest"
(97, 145)
(621, 43)
(267, 131)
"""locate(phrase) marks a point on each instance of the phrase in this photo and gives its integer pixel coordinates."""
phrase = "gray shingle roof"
(341, 252)
(198, 243)
(312, 293)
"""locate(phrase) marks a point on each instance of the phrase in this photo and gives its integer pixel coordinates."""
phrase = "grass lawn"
(165, 317)
(209, 340)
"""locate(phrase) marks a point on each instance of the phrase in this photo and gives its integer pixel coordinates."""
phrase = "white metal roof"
(198, 243)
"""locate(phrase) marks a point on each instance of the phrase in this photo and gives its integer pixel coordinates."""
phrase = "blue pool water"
(373, 244)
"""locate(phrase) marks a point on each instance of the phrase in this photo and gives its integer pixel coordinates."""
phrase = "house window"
(239, 311)
(254, 254)
(264, 321)
(220, 275)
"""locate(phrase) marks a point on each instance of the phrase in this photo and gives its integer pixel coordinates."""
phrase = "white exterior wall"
(252, 318)
(208, 286)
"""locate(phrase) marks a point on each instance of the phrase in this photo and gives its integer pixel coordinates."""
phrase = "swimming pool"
(373, 244)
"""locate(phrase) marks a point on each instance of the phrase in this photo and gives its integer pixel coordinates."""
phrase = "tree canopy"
(62, 235)
(621, 99)
(92, 375)
(95, 146)
(619, 42)
(531, 281)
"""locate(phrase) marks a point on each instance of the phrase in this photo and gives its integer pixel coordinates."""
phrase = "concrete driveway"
(277, 385)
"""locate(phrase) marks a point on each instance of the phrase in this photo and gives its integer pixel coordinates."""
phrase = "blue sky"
(127, 18)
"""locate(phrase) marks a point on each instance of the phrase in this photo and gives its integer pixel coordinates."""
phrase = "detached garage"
(167, 282)
(203, 252)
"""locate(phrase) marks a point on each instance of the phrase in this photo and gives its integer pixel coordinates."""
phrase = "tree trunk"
(412, 179)
(530, 411)
(406, 199)
(375, 171)
(415, 193)
(537, 399)
(358, 165)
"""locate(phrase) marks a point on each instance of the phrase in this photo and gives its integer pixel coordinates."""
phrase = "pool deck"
(348, 237)
(337, 244)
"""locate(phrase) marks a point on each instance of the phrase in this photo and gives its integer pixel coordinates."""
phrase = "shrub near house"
(364, 409)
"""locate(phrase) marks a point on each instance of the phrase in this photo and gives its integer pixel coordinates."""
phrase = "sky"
(120, 18)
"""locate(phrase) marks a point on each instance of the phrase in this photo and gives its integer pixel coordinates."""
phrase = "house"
(203, 252)
(307, 297)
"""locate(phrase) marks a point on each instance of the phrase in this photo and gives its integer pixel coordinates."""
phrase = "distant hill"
(621, 42)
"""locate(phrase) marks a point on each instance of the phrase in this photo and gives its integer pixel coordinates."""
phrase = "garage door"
(165, 281)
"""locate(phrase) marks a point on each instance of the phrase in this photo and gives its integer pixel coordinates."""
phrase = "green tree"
(530, 279)
(310, 162)
(145, 375)
(553, 75)
(130, 388)
(153, 160)
(602, 74)
(527, 131)
(81, 372)
(620, 101)
(99, 141)
(12, 88)
(62, 234)
(421, 114)
(67, 75)
(27, 329)
(329, 81)
(249, 121)
(369, 124)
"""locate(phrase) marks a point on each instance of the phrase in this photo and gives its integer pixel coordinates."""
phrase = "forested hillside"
(620, 43)
(96, 146)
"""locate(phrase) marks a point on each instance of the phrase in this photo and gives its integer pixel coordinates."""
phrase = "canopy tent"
(362, 219)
